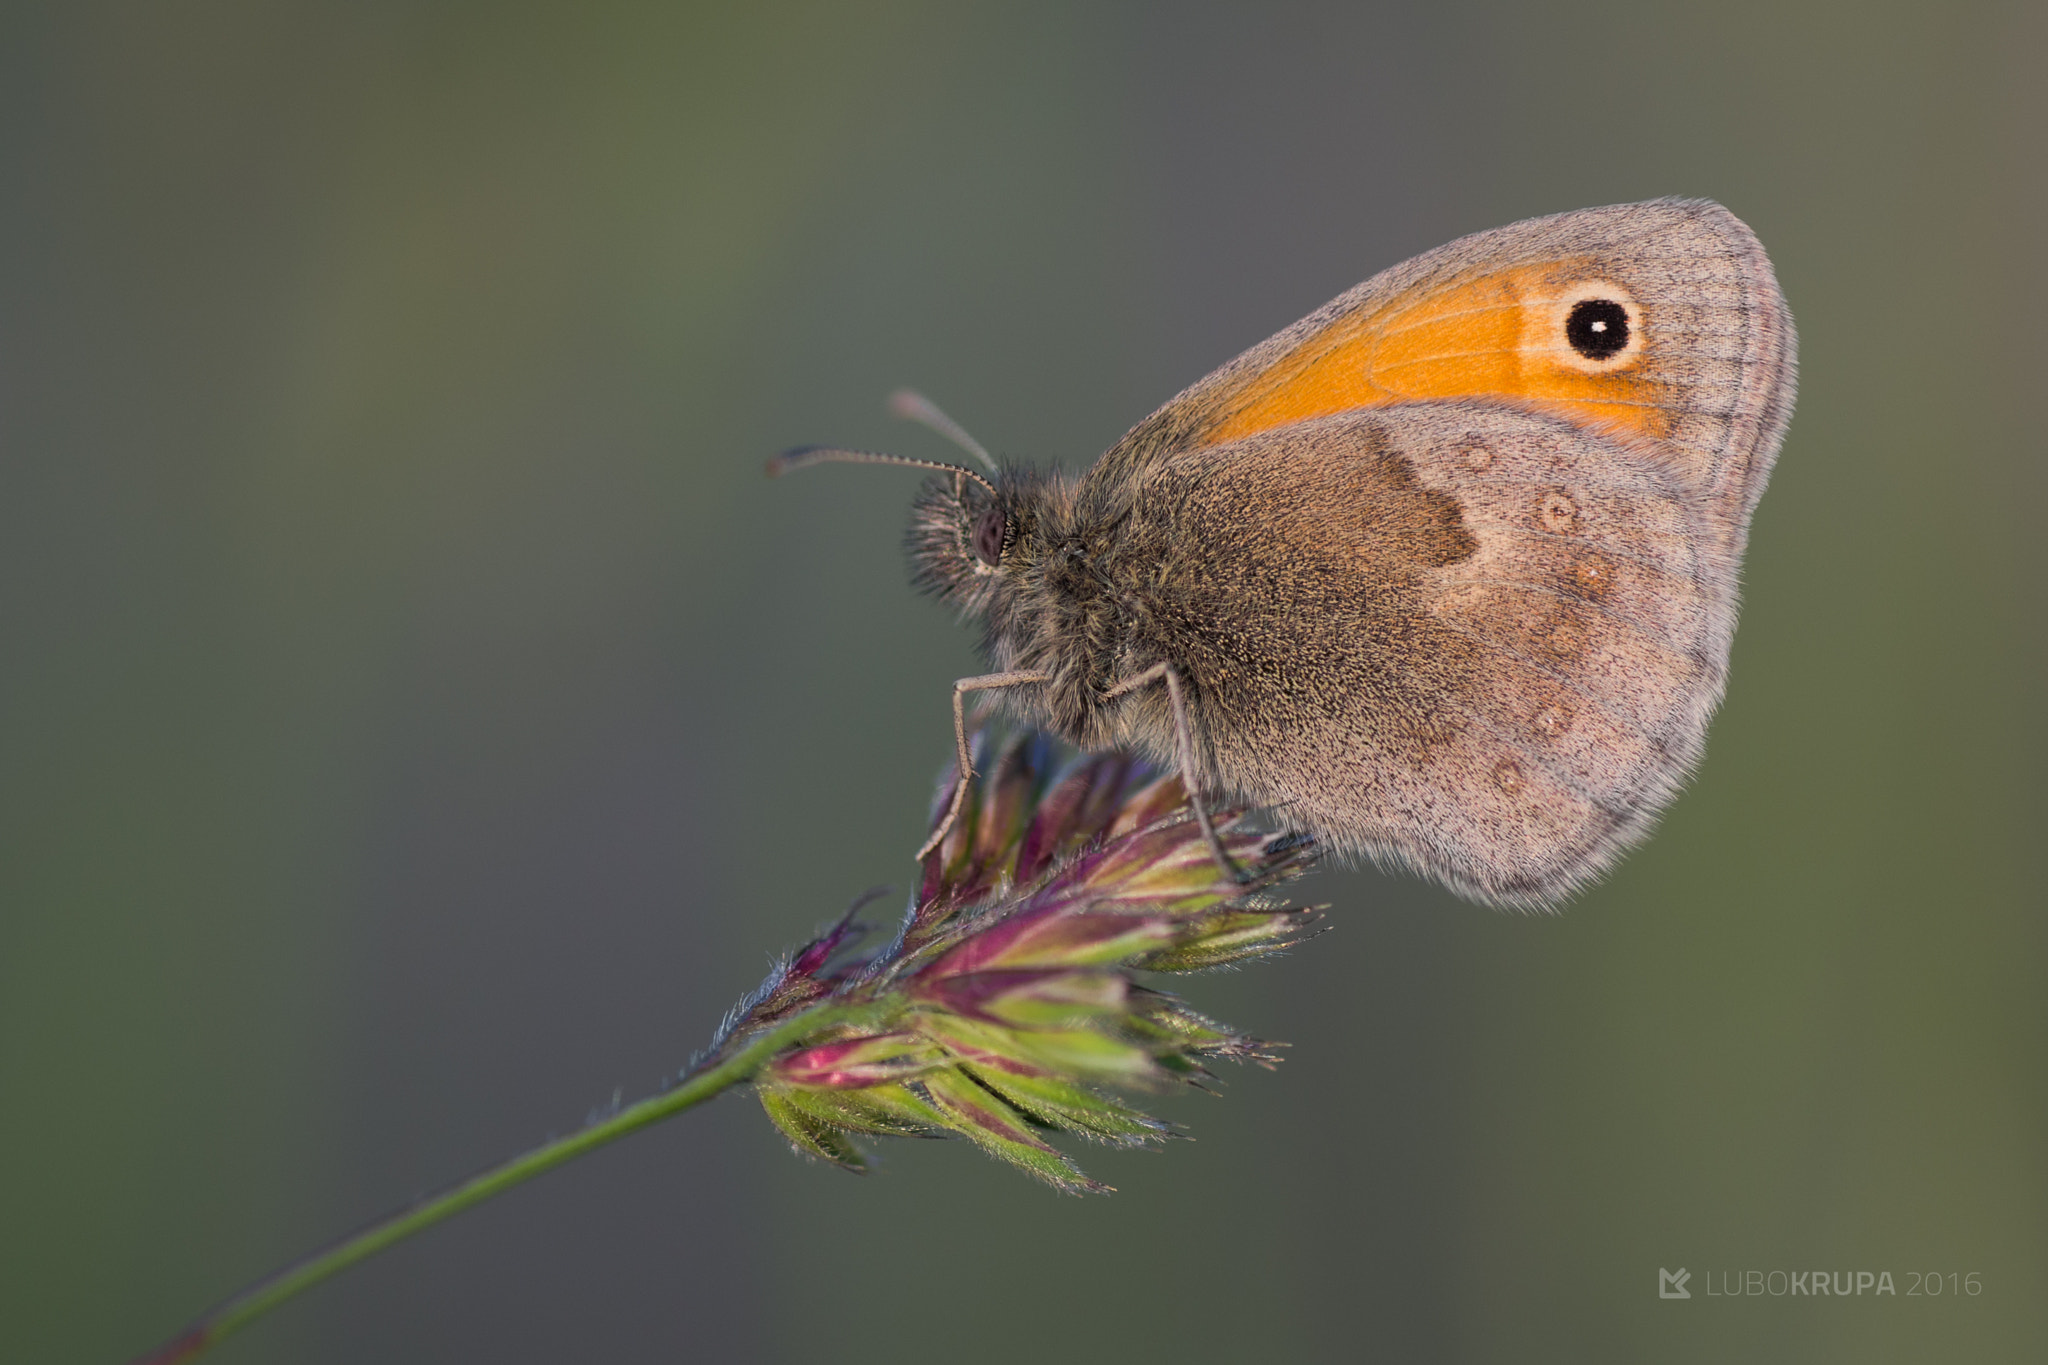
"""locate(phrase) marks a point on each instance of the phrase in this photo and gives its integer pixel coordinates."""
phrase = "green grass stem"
(721, 1074)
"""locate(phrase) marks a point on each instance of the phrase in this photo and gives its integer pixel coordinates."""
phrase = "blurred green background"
(419, 716)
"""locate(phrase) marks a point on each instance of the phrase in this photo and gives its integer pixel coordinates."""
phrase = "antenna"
(803, 457)
(914, 406)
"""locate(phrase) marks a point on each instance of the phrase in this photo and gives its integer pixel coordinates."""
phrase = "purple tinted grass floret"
(1007, 1006)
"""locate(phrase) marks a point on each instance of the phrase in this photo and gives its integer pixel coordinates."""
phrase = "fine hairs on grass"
(1004, 1008)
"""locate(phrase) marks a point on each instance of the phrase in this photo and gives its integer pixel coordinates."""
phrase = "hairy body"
(1444, 574)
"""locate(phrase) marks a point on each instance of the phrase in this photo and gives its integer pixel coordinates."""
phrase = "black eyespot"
(988, 537)
(1597, 328)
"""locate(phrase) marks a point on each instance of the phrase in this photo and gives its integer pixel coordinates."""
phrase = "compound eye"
(988, 537)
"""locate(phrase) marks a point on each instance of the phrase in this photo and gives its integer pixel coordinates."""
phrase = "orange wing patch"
(1506, 334)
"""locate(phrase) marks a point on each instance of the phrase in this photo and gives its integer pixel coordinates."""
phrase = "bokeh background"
(419, 716)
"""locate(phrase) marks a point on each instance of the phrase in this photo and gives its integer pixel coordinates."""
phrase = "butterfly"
(1443, 575)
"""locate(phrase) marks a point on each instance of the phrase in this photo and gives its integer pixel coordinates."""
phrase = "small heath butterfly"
(1444, 574)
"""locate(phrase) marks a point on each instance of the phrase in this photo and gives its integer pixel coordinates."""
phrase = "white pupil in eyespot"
(1598, 329)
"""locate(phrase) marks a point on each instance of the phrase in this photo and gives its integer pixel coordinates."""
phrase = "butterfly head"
(971, 539)
(995, 548)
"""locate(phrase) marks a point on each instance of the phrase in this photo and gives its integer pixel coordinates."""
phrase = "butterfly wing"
(1479, 641)
(1657, 320)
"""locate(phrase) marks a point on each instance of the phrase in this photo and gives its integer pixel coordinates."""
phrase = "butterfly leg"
(1184, 751)
(985, 683)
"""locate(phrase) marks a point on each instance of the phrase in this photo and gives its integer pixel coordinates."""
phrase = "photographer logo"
(1823, 1284)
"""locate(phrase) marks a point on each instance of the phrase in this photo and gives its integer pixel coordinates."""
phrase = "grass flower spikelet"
(1007, 1005)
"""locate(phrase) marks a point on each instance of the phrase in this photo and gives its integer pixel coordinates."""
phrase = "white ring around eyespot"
(1552, 314)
